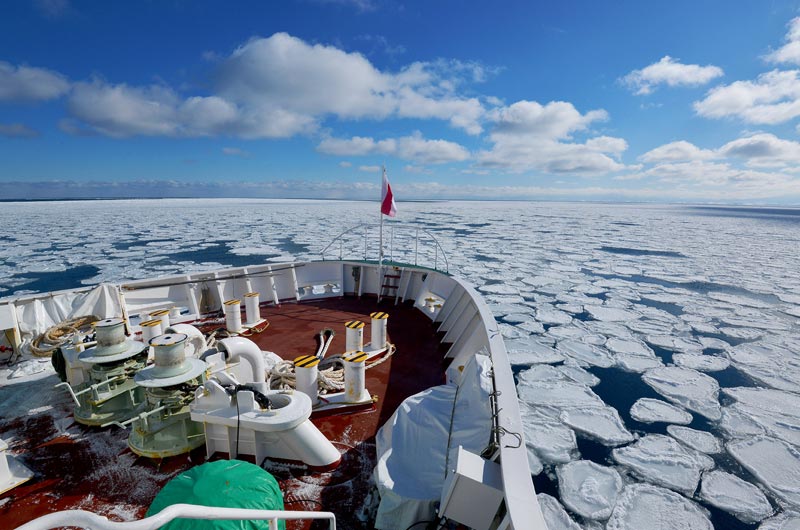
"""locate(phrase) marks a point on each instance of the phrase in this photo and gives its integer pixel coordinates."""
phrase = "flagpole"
(380, 244)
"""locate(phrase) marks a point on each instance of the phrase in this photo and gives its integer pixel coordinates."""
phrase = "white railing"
(89, 520)
(402, 242)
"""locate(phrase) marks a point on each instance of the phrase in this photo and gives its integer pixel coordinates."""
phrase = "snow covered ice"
(647, 410)
(732, 494)
(702, 441)
(774, 463)
(643, 506)
(588, 489)
(688, 388)
(662, 460)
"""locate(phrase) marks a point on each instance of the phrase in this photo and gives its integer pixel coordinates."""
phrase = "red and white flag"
(388, 207)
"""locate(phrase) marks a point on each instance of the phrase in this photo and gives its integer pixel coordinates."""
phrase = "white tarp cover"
(412, 445)
(35, 316)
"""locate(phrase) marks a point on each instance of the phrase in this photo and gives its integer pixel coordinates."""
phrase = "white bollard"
(306, 373)
(163, 316)
(354, 335)
(233, 316)
(379, 321)
(355, 384)
(150, 329)
(251, 303)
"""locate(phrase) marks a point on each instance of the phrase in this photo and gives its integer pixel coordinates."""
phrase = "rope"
(329, 379)
(56, 336)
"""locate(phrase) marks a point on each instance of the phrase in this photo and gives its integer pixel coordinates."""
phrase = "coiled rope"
(44, 344)
(330, 377)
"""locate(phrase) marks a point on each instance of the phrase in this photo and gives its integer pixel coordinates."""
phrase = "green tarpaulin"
(225, 483)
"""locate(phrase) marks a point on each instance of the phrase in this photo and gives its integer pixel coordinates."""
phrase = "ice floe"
(663, 461)
(648, 507)
(773, 462)
(774, 410)
(771, 364)
(555, 516)
(648, 410)
(783, 521)
(688, 388)
(734, 495)
(531, 351)
(588, 489)
(553, 443)
(701, 363)
(610, 314)
(702, 441)
(602, 424)
(585, 353)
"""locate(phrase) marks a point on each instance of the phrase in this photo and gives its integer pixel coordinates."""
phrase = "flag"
(388, 207)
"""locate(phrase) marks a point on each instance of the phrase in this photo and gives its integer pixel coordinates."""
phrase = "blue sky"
(595, 100)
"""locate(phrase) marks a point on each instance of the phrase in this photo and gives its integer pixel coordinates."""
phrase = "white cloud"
(27, 83)
(763, 150)
(17, 130)
(413, 147)
(53, 8)
(317, 80)
(345, 163)
(680, 151)
(235, 151)
(279, 87)
(369, 169)
(774, 97)
(789, 52)
(670, 72)
(530, 136)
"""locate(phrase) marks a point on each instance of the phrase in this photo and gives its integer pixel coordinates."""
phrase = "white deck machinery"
(100, 378)
(252, 419)
(162, 426)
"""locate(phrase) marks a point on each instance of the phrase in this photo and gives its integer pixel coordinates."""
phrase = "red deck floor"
(92, 469)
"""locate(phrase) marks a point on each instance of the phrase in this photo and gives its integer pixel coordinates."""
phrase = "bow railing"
(402, 243)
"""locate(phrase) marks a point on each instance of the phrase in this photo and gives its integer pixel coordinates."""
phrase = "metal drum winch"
(163, 426)
(108, 393)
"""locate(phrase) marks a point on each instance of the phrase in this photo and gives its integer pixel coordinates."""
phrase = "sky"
(679, 101)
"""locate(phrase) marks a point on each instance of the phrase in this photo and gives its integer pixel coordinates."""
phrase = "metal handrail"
(392, 226)
(84, 519)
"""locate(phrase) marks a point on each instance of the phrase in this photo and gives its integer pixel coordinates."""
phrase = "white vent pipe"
(241, 348)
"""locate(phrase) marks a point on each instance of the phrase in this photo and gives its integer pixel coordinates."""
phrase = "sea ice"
(553, 443)
(737, 424)
(647, 507)
(773, 462)
(688, 388)
(771, 364)
(585, 353)
(588, 489)
(661, 460)
(555, 516)
(701, 363)
(610, 314)
(648, 410)
(632, 347)
(598, 423)
(782, 521)
(550, 315)
(531, 351)
(702, 441)
(732, 494)
(637, 363)
(774, 410)
(677, 344)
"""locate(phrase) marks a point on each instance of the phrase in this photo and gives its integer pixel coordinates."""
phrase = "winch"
(100, 379)
(162, 426)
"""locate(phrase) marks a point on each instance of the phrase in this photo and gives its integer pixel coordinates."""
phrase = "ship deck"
(79, 467)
